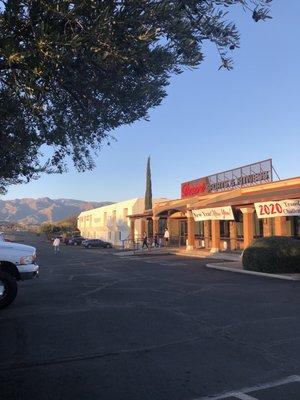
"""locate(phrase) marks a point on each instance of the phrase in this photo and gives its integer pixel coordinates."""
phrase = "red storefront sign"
(193, 188)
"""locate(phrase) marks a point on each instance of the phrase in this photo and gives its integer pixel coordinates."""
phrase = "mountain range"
(35, 211)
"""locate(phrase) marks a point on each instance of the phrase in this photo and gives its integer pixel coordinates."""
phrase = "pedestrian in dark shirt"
(156, 243)
(145, 241)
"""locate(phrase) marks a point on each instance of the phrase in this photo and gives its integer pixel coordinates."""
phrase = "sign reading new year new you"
(217, 213)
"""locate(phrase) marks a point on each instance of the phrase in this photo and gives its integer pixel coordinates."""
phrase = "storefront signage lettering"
(195, 188)
(283, 208)
(248, 175)
(245, 180)
(217, 213)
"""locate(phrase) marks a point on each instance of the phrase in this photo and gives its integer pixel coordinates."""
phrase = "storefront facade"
(229, 210)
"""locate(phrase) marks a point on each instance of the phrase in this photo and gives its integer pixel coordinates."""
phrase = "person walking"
(166, 237)
(56, 243)
(145, 240)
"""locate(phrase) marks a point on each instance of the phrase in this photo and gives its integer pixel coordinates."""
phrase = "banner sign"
(247, 175)
(217, 213)
(283, 208)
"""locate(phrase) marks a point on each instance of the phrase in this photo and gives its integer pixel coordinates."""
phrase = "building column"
(143, 226)
(191, 231)
(215, 236)
(280, 226)
(248, 225)
(206, 234)
(132, 229)
(233, 235)
(267, 227)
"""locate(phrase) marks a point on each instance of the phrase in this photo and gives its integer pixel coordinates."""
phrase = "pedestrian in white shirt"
(166, 237)
(56, 243)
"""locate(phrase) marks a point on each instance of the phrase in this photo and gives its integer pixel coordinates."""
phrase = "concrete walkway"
(146, 252)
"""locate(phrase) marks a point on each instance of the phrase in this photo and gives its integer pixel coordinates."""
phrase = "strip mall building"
(228, 210)
(110, 223)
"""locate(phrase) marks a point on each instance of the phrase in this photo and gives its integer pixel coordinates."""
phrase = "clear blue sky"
(211, 120)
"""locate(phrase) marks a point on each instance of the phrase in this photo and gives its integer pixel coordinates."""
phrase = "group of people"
(156, 240)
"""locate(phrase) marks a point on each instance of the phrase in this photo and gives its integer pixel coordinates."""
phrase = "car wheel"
(8, 289)
(75, 243)
(108, 246)
(89, 246)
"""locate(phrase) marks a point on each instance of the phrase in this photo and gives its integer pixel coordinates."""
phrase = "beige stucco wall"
(110, 223)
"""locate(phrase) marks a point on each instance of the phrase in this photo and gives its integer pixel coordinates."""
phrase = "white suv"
(17, 262)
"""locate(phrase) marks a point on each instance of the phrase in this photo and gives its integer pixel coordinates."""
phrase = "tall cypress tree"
(148, 193)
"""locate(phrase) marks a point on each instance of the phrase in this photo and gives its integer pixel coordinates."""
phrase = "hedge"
(274, 254)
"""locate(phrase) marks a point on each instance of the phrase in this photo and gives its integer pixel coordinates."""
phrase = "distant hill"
(35, 211)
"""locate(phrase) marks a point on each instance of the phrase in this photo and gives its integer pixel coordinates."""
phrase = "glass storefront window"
(238, 217)
(293, 226)
(162, 225)
(224, 229)
(258, 226)
(199, 228)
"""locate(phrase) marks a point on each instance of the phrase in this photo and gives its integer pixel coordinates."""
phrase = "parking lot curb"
(124, 253)
(223, 267)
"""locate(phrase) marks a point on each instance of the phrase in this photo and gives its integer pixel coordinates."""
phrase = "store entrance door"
(182, 232)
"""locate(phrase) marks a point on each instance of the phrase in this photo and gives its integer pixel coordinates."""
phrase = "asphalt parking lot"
(97, 326)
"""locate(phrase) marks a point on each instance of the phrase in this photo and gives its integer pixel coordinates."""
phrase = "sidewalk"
(151, 252)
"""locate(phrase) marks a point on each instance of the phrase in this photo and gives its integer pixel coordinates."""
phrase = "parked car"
(66, 240)
(88, 244)
(75, 241)
(17, 262)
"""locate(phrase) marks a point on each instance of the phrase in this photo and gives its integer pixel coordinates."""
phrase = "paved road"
(97, 326)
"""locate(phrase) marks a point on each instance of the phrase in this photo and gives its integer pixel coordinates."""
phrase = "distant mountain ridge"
(35, 211)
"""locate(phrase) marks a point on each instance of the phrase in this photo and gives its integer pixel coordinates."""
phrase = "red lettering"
(261, 210)
(266, 209)
(188, 189)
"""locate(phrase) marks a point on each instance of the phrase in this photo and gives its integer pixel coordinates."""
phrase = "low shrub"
(274, 254)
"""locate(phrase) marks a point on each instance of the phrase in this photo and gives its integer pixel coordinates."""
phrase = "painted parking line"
(245, 393)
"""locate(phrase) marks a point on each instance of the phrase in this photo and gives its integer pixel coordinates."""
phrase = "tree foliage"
(148, 192)
(73, 71)
(274, 254)
(64, 226)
